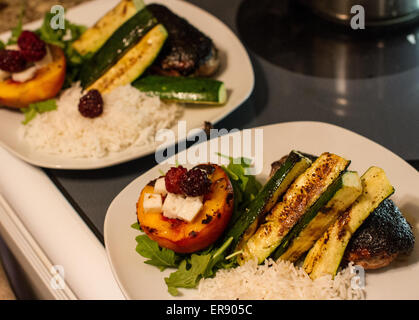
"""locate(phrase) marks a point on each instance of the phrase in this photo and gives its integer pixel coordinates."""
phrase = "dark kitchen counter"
(306, 69)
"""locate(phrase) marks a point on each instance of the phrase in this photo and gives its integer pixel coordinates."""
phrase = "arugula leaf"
(49, 35)
(39, 107)
(30, 114)
(245, 187)
(190, 269)
(76, 30)
(2, 45)
(59, 37)
(159, 257)
(248, 184)
(45, 106)
(218, 259)
(136, 226)
(189, 273)
(64, 38)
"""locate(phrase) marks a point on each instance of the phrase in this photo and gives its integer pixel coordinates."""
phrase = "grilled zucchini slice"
(134, 62)
(276, 186)
(297, 201)
(94, 38)
(325, 256)
(117, 46)
(343, 192)
(184, 89)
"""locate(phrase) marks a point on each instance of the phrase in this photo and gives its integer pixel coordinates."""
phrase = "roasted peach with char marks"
(46, 84)
(205, 228)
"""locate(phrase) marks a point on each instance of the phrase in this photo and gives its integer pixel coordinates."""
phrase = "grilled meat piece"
(187, 50)
(381, 238)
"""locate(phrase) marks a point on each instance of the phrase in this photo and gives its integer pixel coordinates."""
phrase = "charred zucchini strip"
(267, 197)
(342, 193)
(326, 255)
(184, 89)
(134, 62)
(297, 201)
(117, 46)
(94, 38)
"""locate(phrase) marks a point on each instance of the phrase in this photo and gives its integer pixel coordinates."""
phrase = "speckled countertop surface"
(35, 9)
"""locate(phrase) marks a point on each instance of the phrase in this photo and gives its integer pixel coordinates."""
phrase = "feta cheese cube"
(172, 205)
(152, 203)
(176, 206)
(190, 208)
(160, 186)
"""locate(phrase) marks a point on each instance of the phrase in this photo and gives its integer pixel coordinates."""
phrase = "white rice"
(129, 119)
(277, 280)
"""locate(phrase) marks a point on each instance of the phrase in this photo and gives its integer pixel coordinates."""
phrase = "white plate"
(236, 72)
(398, 281)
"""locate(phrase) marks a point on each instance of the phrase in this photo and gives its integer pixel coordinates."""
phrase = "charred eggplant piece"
(382, 237)
(187, 50)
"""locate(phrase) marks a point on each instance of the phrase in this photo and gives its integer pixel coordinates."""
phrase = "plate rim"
(103, 163)
(325, 124)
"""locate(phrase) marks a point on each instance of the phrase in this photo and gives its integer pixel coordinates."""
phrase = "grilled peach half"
(208, 225)
(46, 84)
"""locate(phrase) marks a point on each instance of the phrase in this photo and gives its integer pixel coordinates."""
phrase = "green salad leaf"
(30, 114)
(159, 257)
(39, 107)
(136, 226)
(189, 273)
(2, 45)
(245, 187)
(64, 39)
(59, 37)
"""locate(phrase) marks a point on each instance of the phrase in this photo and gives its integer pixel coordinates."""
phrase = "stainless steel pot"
(377, 12)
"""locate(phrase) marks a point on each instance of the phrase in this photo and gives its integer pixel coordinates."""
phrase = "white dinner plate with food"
(235, 72)
(138, 280)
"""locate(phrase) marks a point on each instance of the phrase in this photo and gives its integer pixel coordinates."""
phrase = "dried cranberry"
(91, 104)
(196, 183)
(12, 61)
(173, 179)
(31, 46)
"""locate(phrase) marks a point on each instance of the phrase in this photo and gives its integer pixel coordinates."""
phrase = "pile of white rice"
(277, 280)
(130, 119)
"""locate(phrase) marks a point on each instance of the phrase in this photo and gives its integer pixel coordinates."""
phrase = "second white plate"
(236, 72)
(398, 281)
